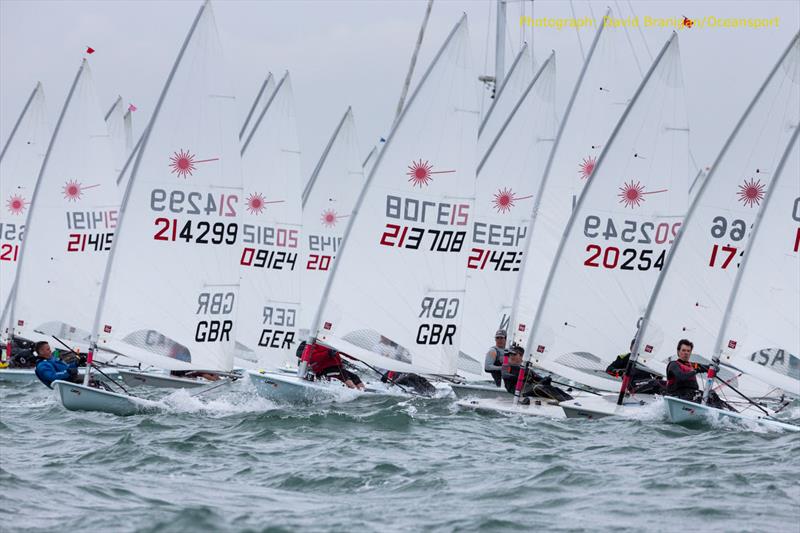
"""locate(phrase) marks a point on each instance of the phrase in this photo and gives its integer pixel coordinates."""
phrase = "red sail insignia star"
(183, 162)
(16, 204)
(751, 192)
(504, 200)
(73, 190)
(421, 172)
(329, 218)
(632, 194)
(586, 167)
(256, 203)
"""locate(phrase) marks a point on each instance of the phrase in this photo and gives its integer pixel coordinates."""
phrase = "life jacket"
(320, 358)
(685, 377)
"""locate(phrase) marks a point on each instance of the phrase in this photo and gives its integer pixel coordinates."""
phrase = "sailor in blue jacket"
(49, 369)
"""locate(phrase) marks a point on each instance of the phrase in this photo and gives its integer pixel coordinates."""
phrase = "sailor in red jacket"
(325, 362)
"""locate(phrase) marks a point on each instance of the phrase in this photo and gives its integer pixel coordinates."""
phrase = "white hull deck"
(486, 389)
(136, 378)
(288, 388)
(682, 412)
(76, 397)
(592, 407)
(505, 404)
(27, 375)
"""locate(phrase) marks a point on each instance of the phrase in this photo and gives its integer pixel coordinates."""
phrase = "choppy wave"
(233, 461)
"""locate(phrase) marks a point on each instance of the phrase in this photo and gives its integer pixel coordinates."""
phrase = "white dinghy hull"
(135, 378)
(76, 397)
(287, 388)
(682, 412)
(478, 390)
(592, 407)
(28, 375)
(537, 407)
(17, 375)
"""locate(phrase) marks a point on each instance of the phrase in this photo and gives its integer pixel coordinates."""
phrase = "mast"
(687, 220)
(362, 195)
(111, 109)
(502, 87)
(510, 116)
(732, 300)
(581, 200)
(263, 112)
(407, 82)
(538, 197)
(28, 220)
(313, 178)
(255, 103)
(19, 120)
(499, 44)
(129, 187)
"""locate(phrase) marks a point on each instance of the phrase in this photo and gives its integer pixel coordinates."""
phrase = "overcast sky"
(357, 53)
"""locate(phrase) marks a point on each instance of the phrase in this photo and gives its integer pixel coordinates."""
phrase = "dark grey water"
(381, 464)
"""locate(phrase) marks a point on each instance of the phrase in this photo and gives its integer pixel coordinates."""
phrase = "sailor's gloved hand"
(545, 380)
(81, 360)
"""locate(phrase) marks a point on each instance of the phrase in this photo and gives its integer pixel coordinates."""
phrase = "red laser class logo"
(504, 200)
(586, 167)
(16, 204)
(751, 192)
(421, 173)
(257, 203)
(183, 163)
(73, 190)
(329, 218)
(632, 194)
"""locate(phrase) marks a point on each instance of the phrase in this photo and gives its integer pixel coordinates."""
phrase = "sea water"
(238, 462)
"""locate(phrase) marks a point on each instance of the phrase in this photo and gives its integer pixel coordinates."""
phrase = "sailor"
(641, 382)
(49, 368)
(682, 374)
(406, 380)
(493, 362)
(326, 362)
(534, 384)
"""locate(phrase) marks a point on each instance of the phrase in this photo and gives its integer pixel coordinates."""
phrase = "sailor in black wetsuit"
(534, 384)
(641, 382)
(682, 378)
(493, 362)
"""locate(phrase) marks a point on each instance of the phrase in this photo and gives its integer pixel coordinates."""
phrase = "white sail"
(260, 102)
(396, 293)
(71, 224)
(619, 233)
(508, 177)
(20, 162)
(269, 246)
(505, 99)
(601, 94)
(328, 201)
(761, 330)
(115, 121)
(171, 286)
(692, 293)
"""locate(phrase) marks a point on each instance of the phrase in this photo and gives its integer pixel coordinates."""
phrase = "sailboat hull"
(593, 407)
(537, 407)
(27, 375)
(287, 388)
(76, 397)
(154, 379)
(683, 412)
(476, 390)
